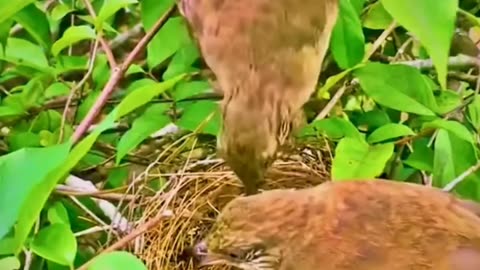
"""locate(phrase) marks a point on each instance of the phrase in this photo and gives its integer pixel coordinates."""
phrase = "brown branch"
(105, 46)
(117, 74)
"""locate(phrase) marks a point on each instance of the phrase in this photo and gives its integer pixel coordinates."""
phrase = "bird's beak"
(207, 258)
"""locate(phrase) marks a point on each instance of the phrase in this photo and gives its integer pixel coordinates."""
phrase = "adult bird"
(266, 56)
(352, 225)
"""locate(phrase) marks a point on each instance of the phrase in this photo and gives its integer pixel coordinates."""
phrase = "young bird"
(266, 56)
(354, 225)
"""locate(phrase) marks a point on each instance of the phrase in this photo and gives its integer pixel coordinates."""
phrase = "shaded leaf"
(421, 157)
(347, 41)
(356, 159)
(59, 11)
(432, 22)
(389, 131)
(56, 243)
(182, 61)
(71, 36)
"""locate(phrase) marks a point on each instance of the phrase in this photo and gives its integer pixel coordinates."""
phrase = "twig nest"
(196, 197)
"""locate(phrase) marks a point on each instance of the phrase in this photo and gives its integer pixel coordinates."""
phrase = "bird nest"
(194, 197)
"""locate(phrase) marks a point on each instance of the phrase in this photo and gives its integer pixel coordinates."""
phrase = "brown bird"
(354, 225)
(266, 56)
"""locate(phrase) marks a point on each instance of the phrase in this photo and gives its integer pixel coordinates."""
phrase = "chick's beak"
(205, 258)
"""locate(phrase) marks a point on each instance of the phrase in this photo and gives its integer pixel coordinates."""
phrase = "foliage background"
(96, 89)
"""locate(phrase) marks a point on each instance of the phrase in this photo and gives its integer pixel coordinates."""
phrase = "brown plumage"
(266, 56)
(357, 225)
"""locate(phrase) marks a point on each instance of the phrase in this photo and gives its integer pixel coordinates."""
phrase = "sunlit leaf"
(389, 131)
(56, 243)
(71, 36)
(347, 41)
(356, 159)
(432, 22)
(117, 260)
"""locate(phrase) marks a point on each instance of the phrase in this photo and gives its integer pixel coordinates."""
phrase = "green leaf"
(144, 94)
(347, 42)
(56, 243)
(331, 81)
(452, 157)
(60, 10)
(447, 101)
(10, 263)
(453, 126)
(8, 8)
(58, 214)
(153, 119)
(57, 89)
(152, 10)
(356, 159)
(388, 132)
(421, 157)
(196, 113)
(398, 87)
(20, 172)
(432, 22)
(358, 5)
(334, 128)
(187, 89)
(71, 36)
(109, 8)
(24, 53)
(377, 17)
(169, 39)
(36, 23)
(182, 61)
(117, 260)
(39, 195)
(473, 113)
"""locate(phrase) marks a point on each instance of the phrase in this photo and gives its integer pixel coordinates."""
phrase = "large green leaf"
(452, 157)
(347, 42)
(389, 131)
(8, 8)
(56, 243)
(399, 87)
(20, 172)
(117, 260)
(356, 159)
(36, 23)
(71, 36)
(432, 22)
(169, 39)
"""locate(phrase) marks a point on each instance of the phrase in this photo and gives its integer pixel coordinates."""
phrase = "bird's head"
(254, 232)
(250, 138)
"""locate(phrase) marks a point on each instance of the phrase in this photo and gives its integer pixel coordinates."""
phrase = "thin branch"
(74, 89)
(461, 177)
(459, 61)
(115, 77)
(105, 46)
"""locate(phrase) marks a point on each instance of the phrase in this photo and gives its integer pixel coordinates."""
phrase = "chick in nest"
(266, 56)
(355, 225)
